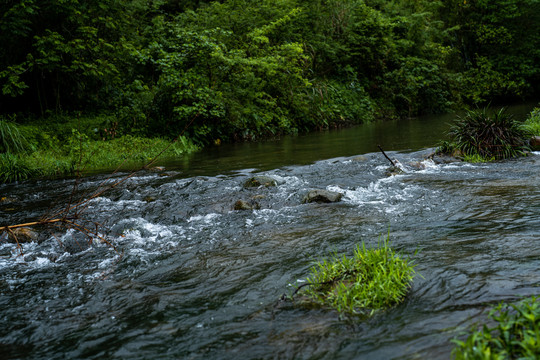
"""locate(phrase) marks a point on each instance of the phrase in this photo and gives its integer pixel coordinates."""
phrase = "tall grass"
(14, 168)
(11, 139)
(371, 279)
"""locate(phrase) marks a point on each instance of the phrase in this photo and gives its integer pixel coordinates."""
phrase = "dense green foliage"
(67, 146)
(532, 124)
(483, 136)
(370, 280)
(516, 334)
(243, 69)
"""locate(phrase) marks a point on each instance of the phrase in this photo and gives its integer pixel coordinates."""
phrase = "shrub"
(372, 279)
(515, 335)
(480, 135)
(532, 124)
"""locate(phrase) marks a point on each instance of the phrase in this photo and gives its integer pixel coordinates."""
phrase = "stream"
(194, 279)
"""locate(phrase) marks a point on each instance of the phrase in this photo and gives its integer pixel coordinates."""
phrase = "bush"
(532, 124)
(482, 136)
(515, 335)
(372, 279)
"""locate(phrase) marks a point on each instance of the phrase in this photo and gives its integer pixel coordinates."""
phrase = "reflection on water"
(199, 280)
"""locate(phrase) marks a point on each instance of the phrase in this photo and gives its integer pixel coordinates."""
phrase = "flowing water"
(199, 280)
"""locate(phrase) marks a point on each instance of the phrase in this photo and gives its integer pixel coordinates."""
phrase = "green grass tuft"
(370, 280)
(516, 334)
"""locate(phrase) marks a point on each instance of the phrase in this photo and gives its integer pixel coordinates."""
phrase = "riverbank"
(70, 146)
(67, 145)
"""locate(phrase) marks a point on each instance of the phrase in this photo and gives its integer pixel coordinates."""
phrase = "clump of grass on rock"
(516, 334)
(483, 136)
(370, 280)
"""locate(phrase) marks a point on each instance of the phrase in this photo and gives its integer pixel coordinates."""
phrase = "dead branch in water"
(386, 156)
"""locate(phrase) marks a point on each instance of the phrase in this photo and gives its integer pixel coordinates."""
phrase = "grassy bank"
(66, 145)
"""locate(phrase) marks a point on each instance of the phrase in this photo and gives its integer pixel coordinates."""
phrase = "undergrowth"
(532, 124)
(30, 151)
(370, 280)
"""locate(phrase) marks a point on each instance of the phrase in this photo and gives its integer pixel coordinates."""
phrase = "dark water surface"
(198, 280)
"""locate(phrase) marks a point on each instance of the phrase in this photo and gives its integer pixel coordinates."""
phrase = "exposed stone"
(7, 199)
(440, 158)
(535, 141)
(260, 180)
(157, 169)
(23, 235)
(244, 205)
(322, 196)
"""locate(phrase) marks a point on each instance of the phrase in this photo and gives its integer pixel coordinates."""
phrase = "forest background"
(110, 77)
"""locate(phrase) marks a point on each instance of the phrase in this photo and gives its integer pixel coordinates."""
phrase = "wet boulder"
(322, 196)
(535, 141)
(245, 205)
(22, 235)
(260, 180)
(442, 158)
(396, 169)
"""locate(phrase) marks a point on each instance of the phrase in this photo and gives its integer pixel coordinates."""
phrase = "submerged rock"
(76, 244)
(396, 169)
(260, 180)
(322, 196)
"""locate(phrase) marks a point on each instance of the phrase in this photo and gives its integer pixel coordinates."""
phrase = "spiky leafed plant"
(489, 135)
